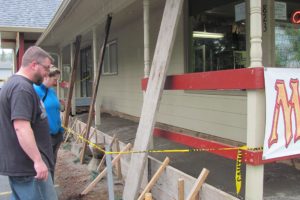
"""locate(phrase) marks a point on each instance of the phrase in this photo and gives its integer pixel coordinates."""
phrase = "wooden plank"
(95, 86)
(235, 79)
(72, 81)
(153, 94)
(154, 178)
(103, 173)
(181, 189)
(198, 184)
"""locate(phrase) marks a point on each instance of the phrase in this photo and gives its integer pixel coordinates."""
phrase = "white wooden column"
(95, 64)
(255, 106)
(73, 103)
(61, 92)
(58, 66)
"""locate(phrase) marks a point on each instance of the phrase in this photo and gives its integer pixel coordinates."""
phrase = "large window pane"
(217, 35)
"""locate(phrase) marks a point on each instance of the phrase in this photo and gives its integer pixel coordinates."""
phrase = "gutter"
(22, 29)
(54, 20)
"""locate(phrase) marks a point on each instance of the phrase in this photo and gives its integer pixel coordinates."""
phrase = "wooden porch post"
(73, 109)
(20, 50)
(255, 106)
(60, 64)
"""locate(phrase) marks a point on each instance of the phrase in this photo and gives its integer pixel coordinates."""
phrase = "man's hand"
(41, 170)
(27, 142)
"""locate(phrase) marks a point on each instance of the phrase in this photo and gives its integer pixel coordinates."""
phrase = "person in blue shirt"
(52, 105)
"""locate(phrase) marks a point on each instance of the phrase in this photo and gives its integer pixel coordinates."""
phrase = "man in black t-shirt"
(25, 150)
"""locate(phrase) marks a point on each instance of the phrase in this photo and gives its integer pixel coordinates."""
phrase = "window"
(6, 64)
(287, 34)
(217, 35)
(110, 65)
(86, 72)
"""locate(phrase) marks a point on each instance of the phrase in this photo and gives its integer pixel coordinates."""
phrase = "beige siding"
(216, 114)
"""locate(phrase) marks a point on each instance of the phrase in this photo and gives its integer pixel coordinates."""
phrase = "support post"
(95, 86)
(161, 60)
(73, 104)
(181, 189)
(255, 106)
(72, 81)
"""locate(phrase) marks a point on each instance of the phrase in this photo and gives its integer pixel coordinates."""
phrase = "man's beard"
(38, 79)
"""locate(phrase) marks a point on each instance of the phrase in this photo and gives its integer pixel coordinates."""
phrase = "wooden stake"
(96, 85)
(74, 124)
(72, 82)
(180, 189)
(154, 178)
(148, 196)
(82, 133)
(198, 184)
(104, 156)
(118, 166)
(161, 60)
(103, 173)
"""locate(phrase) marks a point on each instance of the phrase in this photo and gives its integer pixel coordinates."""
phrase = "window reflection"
(218, 37)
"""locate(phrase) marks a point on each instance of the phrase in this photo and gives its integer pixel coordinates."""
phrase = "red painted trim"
(21, 50)
(235, 79)
(249, 157)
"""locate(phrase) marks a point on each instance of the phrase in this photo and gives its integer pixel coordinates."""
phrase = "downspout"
(146, 4)
(146, 9)
(98, 102)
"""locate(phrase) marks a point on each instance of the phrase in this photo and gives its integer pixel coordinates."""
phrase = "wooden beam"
(96, 85)
(181, 189)
(20, 50)
(153, 95)
(103, 173)
(198, 184)
(235, 79)
(154, 178)
(72, 82)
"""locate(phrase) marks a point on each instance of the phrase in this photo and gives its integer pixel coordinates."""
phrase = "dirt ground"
(73, 177)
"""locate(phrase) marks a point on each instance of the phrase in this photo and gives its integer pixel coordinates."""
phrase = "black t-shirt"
(18, 100)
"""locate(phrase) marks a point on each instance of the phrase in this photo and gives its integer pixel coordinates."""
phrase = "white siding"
(216, 114)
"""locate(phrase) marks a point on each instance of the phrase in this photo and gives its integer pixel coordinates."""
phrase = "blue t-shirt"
(52, 106)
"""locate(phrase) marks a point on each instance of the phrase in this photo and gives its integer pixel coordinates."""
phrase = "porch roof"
(79, 17)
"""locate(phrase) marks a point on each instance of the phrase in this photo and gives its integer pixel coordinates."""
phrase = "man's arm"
(28, 144)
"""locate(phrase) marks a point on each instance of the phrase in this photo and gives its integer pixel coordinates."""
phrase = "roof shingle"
(27, 13)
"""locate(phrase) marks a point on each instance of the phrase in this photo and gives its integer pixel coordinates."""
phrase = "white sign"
(240, 11)
(280, 10)
(282, 131)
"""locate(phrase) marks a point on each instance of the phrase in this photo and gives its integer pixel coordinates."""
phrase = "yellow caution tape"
(238, 174)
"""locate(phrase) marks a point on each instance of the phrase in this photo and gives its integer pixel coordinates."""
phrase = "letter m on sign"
(287, 107)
